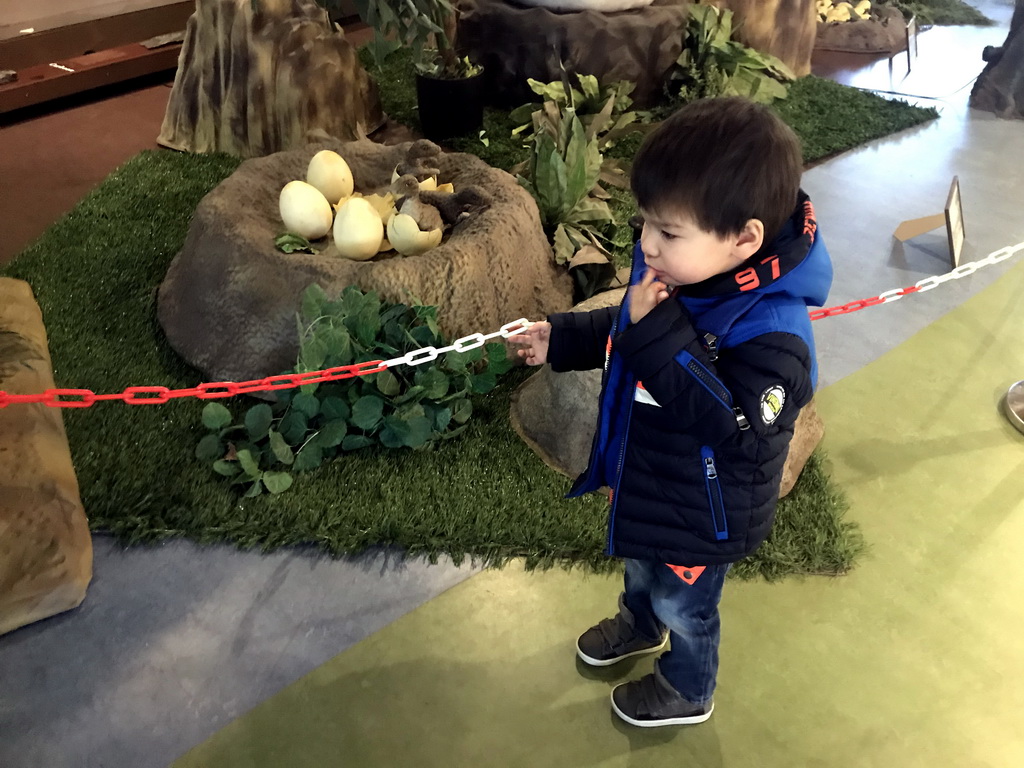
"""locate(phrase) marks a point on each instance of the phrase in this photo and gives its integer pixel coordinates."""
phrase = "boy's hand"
(535, 341)
(645, 296)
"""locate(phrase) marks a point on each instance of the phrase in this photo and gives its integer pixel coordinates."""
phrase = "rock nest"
(229, 300)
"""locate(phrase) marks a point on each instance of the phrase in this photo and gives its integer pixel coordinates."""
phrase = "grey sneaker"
(615, 639)
(651, 701)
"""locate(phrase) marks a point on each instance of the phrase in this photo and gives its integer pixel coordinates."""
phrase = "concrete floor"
(174, 642)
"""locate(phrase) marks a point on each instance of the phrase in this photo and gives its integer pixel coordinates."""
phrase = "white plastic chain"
(962, 271)
(466, 343)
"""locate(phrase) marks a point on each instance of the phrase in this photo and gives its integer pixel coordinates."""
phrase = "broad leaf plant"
(404, 407)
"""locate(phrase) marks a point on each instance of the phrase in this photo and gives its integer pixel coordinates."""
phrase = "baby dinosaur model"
(456, 206)
(409, 200)
(416, 227)
(419, 161)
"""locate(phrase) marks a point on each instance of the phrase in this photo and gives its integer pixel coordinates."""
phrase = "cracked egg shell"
(408, 239)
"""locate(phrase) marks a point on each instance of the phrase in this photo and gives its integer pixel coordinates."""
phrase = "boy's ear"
(749, 240)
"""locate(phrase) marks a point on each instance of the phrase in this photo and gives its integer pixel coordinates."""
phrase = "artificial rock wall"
(45, 546)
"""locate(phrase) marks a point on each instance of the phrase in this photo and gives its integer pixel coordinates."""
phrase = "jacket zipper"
(714, 490)
(618, 476)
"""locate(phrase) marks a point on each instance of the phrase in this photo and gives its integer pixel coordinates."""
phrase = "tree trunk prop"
(254, 82)
(784, 28)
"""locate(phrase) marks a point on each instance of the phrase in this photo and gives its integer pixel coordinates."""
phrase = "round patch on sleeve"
(772, 400)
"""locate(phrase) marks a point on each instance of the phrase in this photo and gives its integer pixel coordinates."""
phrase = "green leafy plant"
(562, 172)
(608, 106)
(289, 242)
(713, 64)
(427, 27)
(408, 407)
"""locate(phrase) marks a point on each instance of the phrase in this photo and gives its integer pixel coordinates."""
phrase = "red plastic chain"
(83, 398)
(854, 306)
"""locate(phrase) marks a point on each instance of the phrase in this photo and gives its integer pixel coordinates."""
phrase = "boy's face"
(681, 253)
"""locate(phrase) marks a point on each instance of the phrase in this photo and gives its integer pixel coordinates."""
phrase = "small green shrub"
(563, 170)
(562, 175)
(606, 107)
(408, 407)
(713, 64)
(426, 27)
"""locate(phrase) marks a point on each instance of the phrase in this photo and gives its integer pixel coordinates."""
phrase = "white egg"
(329, 173)
(358, 230)
(305, 211)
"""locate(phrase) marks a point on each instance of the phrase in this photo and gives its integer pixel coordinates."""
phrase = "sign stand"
(910, 40)
(952, 218)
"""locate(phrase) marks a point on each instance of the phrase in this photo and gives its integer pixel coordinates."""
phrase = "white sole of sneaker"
(608, 662)
(692, 720)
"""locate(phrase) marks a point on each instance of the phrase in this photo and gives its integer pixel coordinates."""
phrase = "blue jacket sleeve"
(665, 353)
(579, 339)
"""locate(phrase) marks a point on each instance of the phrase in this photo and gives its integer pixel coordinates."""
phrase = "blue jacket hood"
(795, 264)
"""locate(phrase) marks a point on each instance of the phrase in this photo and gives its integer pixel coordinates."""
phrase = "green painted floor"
(914, 659)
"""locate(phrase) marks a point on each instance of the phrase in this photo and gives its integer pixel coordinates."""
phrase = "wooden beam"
(54, 80)
(73, 40)
(67, 60)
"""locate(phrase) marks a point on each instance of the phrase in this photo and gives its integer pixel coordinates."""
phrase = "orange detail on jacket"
(810, 221)
(689, 575)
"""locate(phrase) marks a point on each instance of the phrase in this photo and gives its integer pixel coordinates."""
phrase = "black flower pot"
(450, 108)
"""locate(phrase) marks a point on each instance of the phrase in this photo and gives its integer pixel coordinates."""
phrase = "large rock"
(807, 434)
(45, 547)
(886, 33)
(1000, 87)
(229, 299)
(255, 78)
(516, 42)
(556, 414)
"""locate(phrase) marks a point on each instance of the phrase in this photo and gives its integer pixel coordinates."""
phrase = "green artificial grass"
(484, 495)
(941, 12)
(830, 118)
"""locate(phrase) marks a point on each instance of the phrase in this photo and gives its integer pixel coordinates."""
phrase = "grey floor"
(175, 641)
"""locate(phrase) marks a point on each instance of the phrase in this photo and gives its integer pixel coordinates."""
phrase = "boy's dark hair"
(723, 161)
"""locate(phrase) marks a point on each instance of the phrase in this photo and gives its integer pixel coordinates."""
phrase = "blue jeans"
(658, 598)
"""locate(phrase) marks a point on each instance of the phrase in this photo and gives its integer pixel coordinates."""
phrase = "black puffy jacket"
(699, 399)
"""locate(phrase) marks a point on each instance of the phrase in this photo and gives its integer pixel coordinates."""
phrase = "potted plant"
(449, 88)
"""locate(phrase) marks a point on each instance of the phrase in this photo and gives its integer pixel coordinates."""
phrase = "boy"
(707, 363)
